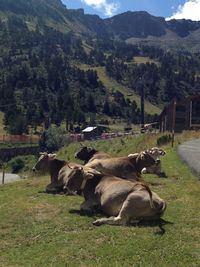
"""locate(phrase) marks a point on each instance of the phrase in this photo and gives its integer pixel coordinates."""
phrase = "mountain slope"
(135, 26)
(113, 86)
(43, 46)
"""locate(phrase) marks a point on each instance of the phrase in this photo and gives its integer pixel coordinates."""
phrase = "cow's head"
(85, 153)
(144, 159)
(78, 177)
(156, 152)
(43, 162)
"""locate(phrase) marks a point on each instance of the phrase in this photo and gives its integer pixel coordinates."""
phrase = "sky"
(169, 9)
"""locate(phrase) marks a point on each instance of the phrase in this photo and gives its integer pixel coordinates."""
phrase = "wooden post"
(3, 175)
(3, 171)
(173, 120)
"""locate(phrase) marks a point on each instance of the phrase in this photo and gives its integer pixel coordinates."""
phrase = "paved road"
(190, 153)
(9, 178)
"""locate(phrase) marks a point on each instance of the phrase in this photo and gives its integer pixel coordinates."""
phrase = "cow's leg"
(128, 211)
(52, 189)
(89, 206)
(110, 220)
(121, 219)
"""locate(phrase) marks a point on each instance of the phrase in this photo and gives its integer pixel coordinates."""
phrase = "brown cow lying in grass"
(124, 167)
(156, 153)
(88, 154)
(122, 200)
(58, 169)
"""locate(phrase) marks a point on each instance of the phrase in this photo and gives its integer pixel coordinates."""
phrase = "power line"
(14, 104)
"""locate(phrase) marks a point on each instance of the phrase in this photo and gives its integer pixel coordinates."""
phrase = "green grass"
(113, 86)
(2, 131)
(143, 60)
(37, 229)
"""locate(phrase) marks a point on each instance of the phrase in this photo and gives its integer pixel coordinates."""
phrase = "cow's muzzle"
(157, 161)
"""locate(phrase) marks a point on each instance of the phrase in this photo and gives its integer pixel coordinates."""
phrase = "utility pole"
(142, 106)
(141, 103)
(173, 119)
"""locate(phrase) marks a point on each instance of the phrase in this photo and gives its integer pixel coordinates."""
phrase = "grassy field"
(143, 60)
(37, 229)
(112, 85)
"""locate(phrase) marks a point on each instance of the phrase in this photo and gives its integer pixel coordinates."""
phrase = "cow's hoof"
(162, 175)
(98, 222)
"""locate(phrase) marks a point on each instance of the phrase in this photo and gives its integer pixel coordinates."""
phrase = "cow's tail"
(150, 196)
(162, 207)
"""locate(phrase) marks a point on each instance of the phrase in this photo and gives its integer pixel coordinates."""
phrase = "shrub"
(17, 164)
(164, 139)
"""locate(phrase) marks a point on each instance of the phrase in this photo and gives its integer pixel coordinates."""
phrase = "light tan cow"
(124, 167)
(47, 163)
(123, 201)
(156, 153)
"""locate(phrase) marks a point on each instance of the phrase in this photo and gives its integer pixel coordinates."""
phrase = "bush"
(17, 164)
(164, 139)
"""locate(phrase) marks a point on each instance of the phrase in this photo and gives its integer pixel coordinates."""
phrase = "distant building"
(90, 132)
(181, 114)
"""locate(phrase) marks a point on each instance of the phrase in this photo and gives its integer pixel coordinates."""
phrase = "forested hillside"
(43, 46)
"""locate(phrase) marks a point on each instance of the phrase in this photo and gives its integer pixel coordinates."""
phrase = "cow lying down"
(156, 153)
(122, 200)
(58, 169)
(124, 167)
(88, 154)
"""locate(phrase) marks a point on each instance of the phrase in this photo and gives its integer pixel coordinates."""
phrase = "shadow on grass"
(162, 175)
(93, 214)
(159, 222)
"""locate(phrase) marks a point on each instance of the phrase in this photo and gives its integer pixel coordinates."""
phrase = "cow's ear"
(162, 152)
(79, 168)
(91, 173)
(142, 155)
(133, 156)
(149, 151)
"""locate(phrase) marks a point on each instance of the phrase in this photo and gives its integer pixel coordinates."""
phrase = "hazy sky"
(188, 9)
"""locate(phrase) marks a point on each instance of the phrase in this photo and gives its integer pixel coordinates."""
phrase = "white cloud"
(190, 10)
(107, 8)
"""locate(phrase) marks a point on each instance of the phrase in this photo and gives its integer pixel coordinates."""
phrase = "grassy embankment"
(37, 229)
